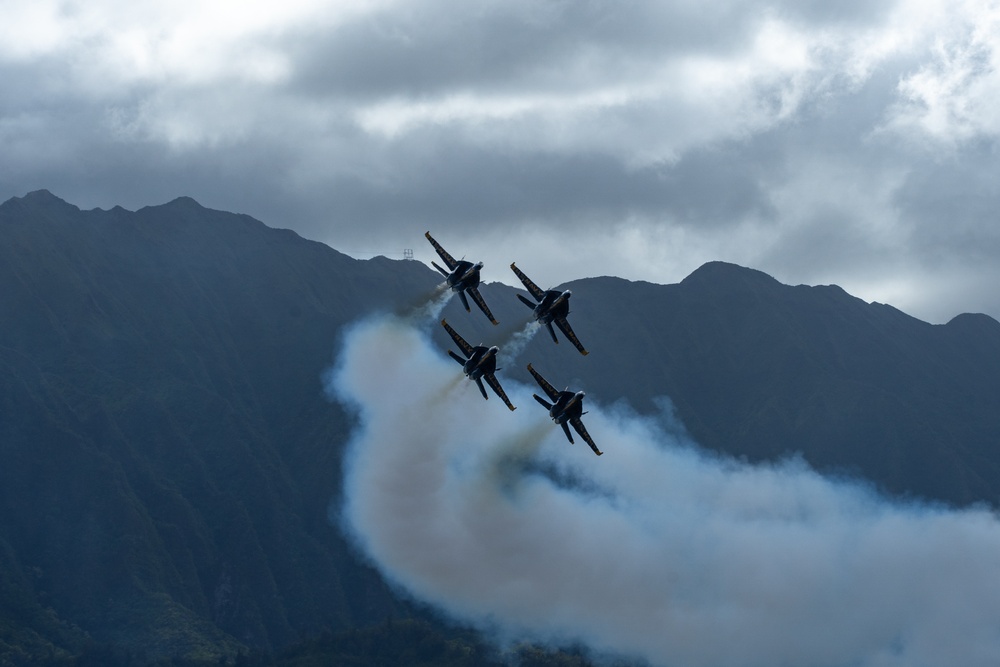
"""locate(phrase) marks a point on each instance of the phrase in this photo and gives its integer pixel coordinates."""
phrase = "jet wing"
(442, 253)
(493, 382)
(567, 330)
(528, 285)
(481, 302)
(550, 391)
(462, 345)
(582, 430)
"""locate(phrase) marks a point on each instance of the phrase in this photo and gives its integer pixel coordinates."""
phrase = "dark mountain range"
(168, 457)
(762, 370)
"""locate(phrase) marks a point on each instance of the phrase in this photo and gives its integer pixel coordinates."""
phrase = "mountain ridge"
(163, 418)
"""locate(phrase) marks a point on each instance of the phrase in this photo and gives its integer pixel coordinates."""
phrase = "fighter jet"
(479, 363)
(462, 277)
(552, 306)
(566, 409)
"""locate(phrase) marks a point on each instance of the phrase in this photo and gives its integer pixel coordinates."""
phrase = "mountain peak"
(178, 204)
(717, 274)
(974, 323)
(41, 196)
(39, 201)
(184, 201)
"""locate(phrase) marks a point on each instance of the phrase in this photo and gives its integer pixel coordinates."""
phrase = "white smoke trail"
(431, 307)
(517, 342)
(654, 550)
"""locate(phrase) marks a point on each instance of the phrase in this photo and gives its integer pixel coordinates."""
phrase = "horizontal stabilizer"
(548, 406)
(552, 332)
(442, 271)
(566, 431)
(465, 302)
(482, 389)
(526, 301)
(456, 357)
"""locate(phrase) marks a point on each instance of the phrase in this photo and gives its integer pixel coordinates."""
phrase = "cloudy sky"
(848, 142)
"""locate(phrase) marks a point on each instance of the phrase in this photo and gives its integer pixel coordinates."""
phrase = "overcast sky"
(849, 142)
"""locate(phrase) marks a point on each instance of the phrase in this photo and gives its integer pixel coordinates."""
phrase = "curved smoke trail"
(655, 550)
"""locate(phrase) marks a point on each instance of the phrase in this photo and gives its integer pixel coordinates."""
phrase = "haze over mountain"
(170, 457)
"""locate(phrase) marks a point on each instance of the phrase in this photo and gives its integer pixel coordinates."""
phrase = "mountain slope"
(763, 370)
(169, 458)
(169, 455)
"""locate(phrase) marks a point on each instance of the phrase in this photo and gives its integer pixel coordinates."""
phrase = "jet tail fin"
(465, 301)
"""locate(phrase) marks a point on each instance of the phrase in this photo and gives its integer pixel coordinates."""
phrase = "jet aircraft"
(566, 409)
(552, 306)
(463, 277)
(479, 363)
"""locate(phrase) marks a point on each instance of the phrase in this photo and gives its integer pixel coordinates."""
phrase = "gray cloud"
(818, 142)
(435, 47)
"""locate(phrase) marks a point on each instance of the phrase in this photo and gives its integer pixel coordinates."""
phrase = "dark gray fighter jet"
(552, 307)
(566, 409)
(462, 276)
(479, 363)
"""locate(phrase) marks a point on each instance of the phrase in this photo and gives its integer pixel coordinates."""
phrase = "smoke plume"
(655, 550)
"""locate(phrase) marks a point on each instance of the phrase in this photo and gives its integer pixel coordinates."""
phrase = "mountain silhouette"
(169, 457)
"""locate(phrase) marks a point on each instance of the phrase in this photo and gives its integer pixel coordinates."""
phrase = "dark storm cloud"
(431, 48)
(448, 183)
(434, 47)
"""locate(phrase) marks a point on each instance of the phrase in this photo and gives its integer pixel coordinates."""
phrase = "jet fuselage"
(554, 304)
(568, 406)
(465, 276)
(482, 362)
